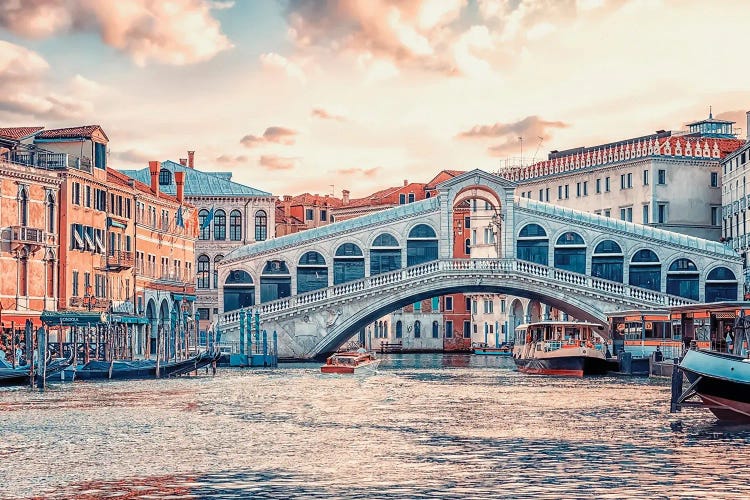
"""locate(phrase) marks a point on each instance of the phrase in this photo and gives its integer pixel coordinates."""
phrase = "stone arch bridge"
(319, 287)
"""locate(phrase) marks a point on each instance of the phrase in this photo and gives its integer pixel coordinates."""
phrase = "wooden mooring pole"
(676, 387)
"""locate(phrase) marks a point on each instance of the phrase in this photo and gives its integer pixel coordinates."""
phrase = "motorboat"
(502, 350)
(357, 362)
(571, 348)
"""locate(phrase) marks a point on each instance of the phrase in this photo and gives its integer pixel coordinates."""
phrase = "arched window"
(421, 245)
(217, 259)
(467, 246)
(204, 266)
(275, 282)
(261, 225)
(570, 253)
(721, 284)
(645, 270)
(312, 273)
(417, 329)
(435, 330)
(23, 274)
(533, 245)
(348, 264)
(165, 177)
(235, 225)
(683, 279)
(385, 255)
(205, 227)
(239, 291)
(50, 213)
(23, 207)
(220, 225)
(607, 261)
(399, 329)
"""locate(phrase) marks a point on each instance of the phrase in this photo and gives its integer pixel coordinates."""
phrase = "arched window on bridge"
(348, 264)
(385, 254)
(205, 228)
(275, 281)
(533, 245)
(467, 246)
(607, 261)
(645, 270)
(417, 329)
(421, 245)
(235, 225)
(721, 284)
(204, 267)
(220, 225)
(312, 273)
(683, 279)
(570, 253)
(239, 291)
(435, 330)
(399, 329)
(385, 329)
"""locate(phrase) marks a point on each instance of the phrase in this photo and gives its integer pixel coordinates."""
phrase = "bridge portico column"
(547, 312)
(446, 228)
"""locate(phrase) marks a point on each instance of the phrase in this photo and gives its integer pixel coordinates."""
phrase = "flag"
(179, 222)
(208, 219)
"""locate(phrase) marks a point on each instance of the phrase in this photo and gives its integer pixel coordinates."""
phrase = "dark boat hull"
(724, 385)
(131, 370)
(18, 376)
(575, 366)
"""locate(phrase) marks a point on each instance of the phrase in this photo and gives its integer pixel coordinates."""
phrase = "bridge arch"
(477, 192)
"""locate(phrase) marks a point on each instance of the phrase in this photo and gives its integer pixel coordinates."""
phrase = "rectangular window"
(448, 303)
(630, 181)
(467, 329)
(559, 192)
(645, 177)
(88, 196)
(473, 306)
(567, 192)
(449, 329)
(75, 283)
(411, 197)
(401, 199)
(488, 306)
(662, 176)
(714, 179)
(75, 194)
(308, 214)
(467, 222)
(417, 306)
(585, 188)
(716, 216)
(626, 214)
(435, 304)
(622, 181)
(645, 213)
(541, 195)
(607, 212)
(598, 186)
(324, 215)
(578, 189)
(662, 213)
(606, 184)
(546, 192)
(502, 305)
(468, 304)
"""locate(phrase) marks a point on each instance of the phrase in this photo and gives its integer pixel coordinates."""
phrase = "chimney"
(747, 129)
(406, 182)
(179, 179)
(191, 159)
(153, 166)
(287, 204)
(345, 196)
(183, 162)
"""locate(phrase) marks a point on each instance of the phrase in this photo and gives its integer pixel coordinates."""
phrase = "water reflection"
(424, 426)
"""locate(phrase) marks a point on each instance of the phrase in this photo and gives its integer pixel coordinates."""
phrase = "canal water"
(424, 426)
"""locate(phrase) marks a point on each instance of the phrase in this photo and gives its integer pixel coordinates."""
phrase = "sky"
(318, 96)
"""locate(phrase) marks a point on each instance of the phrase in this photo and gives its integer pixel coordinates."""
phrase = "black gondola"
(142, 369)
(20, 375)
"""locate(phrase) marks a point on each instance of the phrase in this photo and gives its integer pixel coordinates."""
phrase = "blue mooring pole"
(275, 349)
(265, 348)
(249, 331)
(242, 331)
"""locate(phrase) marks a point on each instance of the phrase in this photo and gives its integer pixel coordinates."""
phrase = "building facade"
(228, 215)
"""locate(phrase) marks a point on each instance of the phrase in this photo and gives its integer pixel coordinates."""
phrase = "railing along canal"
(478, 267)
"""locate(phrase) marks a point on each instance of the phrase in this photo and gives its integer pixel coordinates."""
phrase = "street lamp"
(495, 226)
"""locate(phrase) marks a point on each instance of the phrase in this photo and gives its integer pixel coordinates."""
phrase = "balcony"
(34, 157)
(118, 260)
(30, 237)
(91, 303)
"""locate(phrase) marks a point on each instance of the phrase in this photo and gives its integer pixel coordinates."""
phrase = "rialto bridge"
(319, 287)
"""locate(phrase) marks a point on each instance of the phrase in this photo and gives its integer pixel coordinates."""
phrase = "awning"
(72, 318)
(132, 320)
(19, 319)
(179, 296)
(115, 223)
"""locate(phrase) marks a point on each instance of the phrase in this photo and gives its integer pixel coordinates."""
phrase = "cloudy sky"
(322, 95)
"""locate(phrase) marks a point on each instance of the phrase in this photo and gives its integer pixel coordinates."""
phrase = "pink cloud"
(326, 115)
(274, 163)
(530, 128)
(231, 160)
(177, 32)
(364, 172)
(278, 135)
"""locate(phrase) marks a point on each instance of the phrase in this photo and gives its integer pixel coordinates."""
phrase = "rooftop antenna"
(710, 113)
(541, 139)
(520, 140)
(333, 190)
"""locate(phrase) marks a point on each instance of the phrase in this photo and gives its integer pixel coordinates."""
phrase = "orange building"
(29, 256)
(313, 210)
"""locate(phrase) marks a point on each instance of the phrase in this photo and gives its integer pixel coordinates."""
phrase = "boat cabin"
(710, 326)
(644, 331)
(560, 334)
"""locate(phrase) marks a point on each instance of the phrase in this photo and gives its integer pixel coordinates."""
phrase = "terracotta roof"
(71, 132)
(315, 199)
(16, 133)
(117, 177)
(374, 199)
(443, 176)
(281, 218)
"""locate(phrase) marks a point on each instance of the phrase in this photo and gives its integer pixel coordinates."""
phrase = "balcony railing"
(24, 235)
(118, 259)
(49, 160)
